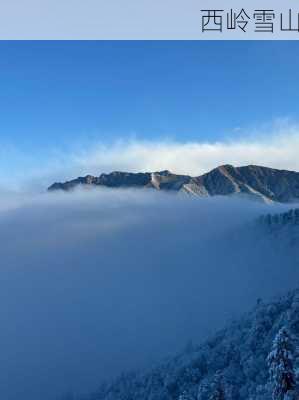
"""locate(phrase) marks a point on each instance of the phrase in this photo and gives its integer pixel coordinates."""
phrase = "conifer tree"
(280, 363)
(217, 392)
(184, 396)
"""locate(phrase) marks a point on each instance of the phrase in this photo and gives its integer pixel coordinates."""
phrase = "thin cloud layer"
(276, 150)
(192, 158)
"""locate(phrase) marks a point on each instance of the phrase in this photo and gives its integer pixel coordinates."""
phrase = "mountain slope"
(266, 184)
(239, 352)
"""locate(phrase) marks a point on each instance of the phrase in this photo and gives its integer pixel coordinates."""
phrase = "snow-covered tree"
(238, 351)
(217, 388)
(184, 396)
(203, 390)
(280, 363)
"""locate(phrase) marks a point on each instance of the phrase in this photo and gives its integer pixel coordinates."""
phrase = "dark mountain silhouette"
(256, 182)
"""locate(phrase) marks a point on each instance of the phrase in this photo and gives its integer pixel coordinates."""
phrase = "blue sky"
(54, 94)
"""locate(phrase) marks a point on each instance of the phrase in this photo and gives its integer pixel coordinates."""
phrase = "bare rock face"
(256, 182)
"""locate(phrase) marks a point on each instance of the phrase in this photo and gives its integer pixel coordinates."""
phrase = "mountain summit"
(266, 184)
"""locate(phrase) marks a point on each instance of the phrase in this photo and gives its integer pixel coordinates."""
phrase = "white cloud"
(278, 149)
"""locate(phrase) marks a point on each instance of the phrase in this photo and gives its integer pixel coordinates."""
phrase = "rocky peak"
(252, 181)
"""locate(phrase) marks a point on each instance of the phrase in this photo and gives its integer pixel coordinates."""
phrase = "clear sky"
(57, 93)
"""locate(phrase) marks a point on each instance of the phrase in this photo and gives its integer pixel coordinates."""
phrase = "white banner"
(149, 19)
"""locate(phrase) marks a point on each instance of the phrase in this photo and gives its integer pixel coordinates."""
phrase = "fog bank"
(94, 283)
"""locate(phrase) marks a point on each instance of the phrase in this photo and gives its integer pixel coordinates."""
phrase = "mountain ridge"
(253, 181)
(238, 351)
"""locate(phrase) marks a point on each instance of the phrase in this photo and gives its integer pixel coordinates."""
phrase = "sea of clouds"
(97, 282)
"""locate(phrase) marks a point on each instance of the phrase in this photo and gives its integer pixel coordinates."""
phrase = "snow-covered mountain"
(266, 184)
(238, 354)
